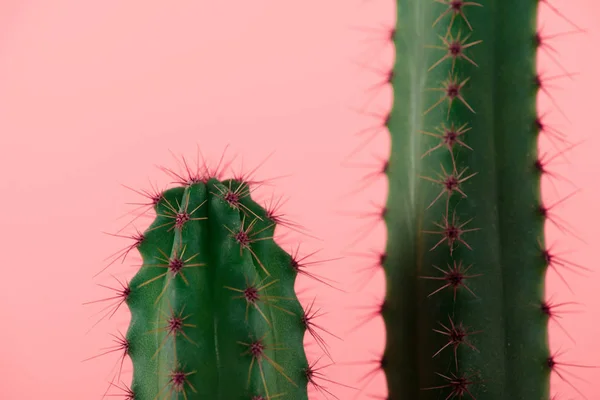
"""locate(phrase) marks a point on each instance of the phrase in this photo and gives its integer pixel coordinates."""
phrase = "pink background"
(94, 94)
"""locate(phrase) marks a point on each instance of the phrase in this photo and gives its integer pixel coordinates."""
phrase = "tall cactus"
(213, 309)
(465, 260)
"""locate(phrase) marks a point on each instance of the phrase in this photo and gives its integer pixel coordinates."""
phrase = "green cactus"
(465, 259)
(213, 309)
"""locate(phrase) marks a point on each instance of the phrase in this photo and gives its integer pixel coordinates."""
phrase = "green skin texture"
(215, 319)
(510, 360)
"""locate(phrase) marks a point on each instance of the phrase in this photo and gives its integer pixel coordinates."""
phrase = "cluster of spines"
(455, 276)
(450, 229)
(233, 192)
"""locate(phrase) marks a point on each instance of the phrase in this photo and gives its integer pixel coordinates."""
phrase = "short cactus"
(213, 309)
(465, 261)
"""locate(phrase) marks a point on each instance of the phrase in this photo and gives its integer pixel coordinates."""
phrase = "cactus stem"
(504, 189)
(212, 328)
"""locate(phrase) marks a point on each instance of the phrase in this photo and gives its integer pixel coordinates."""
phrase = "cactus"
(465, 260)
(213, 309)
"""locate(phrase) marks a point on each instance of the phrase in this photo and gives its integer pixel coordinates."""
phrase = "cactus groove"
(465, 260)
(214, 314)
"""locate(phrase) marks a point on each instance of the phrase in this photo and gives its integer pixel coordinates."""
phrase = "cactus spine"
(465, 260)
(213, 308)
